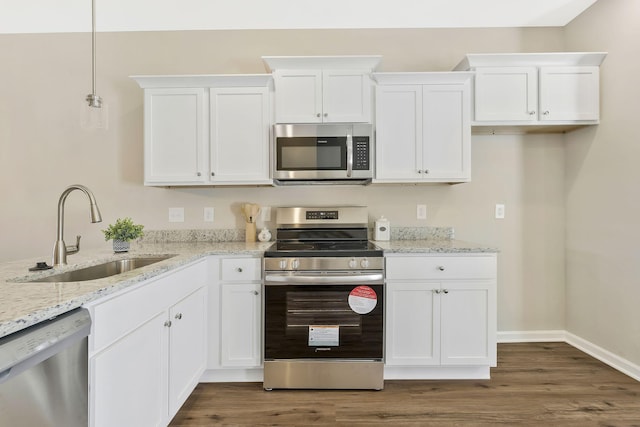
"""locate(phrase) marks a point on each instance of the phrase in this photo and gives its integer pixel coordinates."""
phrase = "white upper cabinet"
(206, 130)
(175, 136)
(239, 150)
(535, 88)
(322, 89)
(423, 127)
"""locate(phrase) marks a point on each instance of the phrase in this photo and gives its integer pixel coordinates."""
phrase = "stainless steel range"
(324, 301)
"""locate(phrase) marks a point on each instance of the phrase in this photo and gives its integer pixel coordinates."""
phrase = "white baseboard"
(532, 336)
(613, 360)
(605, 356)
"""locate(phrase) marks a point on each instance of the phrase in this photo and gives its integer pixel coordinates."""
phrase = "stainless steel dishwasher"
(44, 373)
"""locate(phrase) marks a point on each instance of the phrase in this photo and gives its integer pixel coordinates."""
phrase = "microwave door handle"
(349, 154)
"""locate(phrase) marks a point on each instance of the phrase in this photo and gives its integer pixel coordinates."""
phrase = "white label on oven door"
(363, 299)
(324, 335)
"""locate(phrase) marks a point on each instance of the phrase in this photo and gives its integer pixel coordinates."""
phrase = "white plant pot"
(120, 246)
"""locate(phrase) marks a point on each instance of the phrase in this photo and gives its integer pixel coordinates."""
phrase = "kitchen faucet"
(60, 249)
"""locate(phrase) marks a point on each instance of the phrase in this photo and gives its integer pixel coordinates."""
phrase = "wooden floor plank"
(535, 384)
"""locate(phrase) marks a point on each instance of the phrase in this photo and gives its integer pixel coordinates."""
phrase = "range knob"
(364, 263)
(353, 263)
(282, 264)
(295, 263)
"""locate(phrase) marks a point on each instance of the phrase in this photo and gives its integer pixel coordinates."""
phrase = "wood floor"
(535, 384)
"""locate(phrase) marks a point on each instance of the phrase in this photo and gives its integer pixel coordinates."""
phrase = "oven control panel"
(322, 214)
(323, 263)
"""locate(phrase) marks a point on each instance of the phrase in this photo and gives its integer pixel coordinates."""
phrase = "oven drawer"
(440, 267)
(240, 269)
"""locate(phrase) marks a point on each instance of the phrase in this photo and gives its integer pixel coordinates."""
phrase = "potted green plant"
(122, 232)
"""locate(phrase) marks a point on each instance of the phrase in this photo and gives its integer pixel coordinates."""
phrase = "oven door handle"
(349, 155)
(282, 279)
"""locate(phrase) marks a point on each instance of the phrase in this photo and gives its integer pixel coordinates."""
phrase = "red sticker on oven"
(363, 299)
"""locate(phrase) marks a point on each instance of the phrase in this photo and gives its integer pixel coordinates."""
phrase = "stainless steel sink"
(101, 271)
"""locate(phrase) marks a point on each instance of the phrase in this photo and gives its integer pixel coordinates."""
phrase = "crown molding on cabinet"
(203, 80)
(473, 60)
(349, 62)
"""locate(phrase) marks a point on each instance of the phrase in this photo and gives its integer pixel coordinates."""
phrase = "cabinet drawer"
(240, 269)
(439, 267)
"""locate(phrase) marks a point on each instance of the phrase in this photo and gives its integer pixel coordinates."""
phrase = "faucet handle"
(74, 248)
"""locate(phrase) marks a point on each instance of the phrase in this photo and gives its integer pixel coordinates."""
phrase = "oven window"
(306, 153)
(326, 308)
(296, 316)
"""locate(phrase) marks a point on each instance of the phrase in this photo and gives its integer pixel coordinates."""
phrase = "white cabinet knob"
(178, 316)
(441, 267)
(239, 269)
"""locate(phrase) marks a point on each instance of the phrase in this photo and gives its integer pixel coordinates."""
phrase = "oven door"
(324, 316)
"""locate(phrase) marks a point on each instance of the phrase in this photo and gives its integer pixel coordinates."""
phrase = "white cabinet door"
(187, 347)
(506, 94)
(240, 340)
(468, 323)
(239, 151)
(412, 324)
(298, 96)
(317, 96)
(175, 126)
(423, 132)
(128, 379)
(446, 132)
(398, 132)
(569, 93)
(346, 96)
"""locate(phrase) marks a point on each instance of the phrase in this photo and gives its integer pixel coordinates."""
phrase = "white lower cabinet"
(440, 312)
(240, 325)
(235, 326)
(147, 349)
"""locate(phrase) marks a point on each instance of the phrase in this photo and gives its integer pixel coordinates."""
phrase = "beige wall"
(603, 200)
(44, 79)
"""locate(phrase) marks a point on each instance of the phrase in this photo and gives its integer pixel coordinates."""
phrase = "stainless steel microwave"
(323, 153)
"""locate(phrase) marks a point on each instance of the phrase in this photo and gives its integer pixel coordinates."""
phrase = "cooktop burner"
(323, 249)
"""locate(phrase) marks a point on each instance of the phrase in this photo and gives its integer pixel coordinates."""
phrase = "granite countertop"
(24, 304)
(431, 246)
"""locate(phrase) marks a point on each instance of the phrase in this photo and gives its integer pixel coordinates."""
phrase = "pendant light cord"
(93, 99)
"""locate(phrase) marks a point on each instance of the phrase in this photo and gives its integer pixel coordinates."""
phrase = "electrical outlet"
(176, 214)
(421, 211)
(265, 213)
(208, 215)
(499, 211)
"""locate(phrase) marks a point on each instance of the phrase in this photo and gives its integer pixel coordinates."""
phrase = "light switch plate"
(265, 211)
(421, 211)
(499, 211)
(208, 215)
(176, 214)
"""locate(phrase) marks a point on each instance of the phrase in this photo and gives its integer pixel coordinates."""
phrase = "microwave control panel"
(361, 153)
